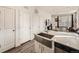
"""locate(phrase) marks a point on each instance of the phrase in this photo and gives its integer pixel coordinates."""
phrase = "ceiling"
(58, 9)
(51, 9)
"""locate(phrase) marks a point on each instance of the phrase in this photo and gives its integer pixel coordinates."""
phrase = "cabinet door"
(40, 48)
(45, 49)
(9, 28)
(37, 47)
(24, 27)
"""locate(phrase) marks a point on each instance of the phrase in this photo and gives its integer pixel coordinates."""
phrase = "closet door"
(35, 25)
(9, 28)
(24, 27)
(1, 29)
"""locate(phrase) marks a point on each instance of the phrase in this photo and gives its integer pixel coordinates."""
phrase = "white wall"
(43, 17)
(38, 21)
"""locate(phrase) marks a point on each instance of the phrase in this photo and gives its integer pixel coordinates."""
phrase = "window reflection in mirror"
(64, 22)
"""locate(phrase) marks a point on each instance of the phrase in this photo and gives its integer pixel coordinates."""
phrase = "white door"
(24, 27)
(1, 29)
(35, 25)
(9, 28)
(7, 35)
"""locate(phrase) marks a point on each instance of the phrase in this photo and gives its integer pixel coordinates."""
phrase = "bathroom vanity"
(43, 43)
(53, 41)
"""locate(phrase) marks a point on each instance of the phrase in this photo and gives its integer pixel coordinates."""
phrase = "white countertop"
(67, 38)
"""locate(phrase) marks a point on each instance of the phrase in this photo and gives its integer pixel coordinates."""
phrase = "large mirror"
(65, 22)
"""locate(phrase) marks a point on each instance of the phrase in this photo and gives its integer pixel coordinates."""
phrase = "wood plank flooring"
(27, 47)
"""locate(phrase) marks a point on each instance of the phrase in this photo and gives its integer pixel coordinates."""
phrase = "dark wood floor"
(27, 47)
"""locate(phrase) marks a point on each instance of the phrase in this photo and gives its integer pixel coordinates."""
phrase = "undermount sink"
(46, 35)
